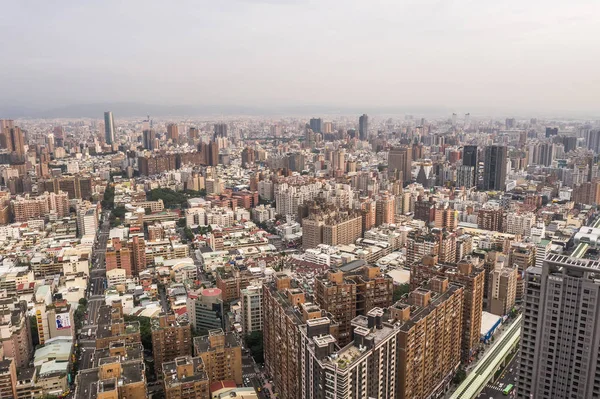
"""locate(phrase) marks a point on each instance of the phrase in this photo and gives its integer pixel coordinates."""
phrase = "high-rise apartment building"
(560, 337)
(173, 132)
(446, 217)
(8, 379)
(420, 244)
(286, 308)
(469, 274)
(148, 139)
(170, 340)
(428, 359)
(222, 355)
(385, 209)
(469, 157)
(185, 378)
(247, 156)
(316, 125)
(365, 368)
(349, 293)
(465, 176)
(109, 128)
(520, 223)
(494, 168)
(220, 130)
(490, 218)
(252, 310)
(15, 331)
(502, 289)
(335, 227)
(363, 127)
(118, 372)
(400, 164)
(128, 255)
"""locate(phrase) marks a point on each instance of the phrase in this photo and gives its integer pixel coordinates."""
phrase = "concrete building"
(400, 164)
(285, 309)
(365, 368)
(427, 360)
(385, 209)
(185, 378)
(494, 172)
(109, 128)
(8, 379)
(252, 311)
(560, 335)
(15, 335)
(502, 289)
(420, 244)
(205, 309)
(469, 274)
(445, 217)
(113, 328)
(118, 372)
(520, 223)
(222, 355)
(349, 292)
(331, 228)
(170, 340)
(490, 218)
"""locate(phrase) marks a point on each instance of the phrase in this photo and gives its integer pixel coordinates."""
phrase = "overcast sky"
(505, 55)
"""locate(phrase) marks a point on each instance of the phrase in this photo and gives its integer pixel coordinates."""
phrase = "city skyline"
(462, 57)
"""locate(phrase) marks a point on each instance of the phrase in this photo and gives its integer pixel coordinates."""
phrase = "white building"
(263, 213)
(520, 224)
(252, 312)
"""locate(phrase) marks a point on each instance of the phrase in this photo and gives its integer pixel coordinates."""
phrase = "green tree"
(401, 290)
(189, 234)
(181, 222)
(145, 329)
(33, 329)
(254, 342)
(170, 198)
(108, 200)
(460, 376)
(83, 302)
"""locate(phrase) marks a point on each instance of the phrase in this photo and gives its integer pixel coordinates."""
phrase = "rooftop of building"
(105, 322)
(88, 383)
(417, 313)
(171, 378)
(202, 343)
(133, 351)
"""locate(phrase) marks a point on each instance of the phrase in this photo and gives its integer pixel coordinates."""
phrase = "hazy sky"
(510, 54)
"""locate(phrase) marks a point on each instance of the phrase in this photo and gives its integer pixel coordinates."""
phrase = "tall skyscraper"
(109, 127)
(173, 132)
(363, 127)
(148, 137)
(316, 125)
(470, 155)
(494, 173)
(400, 164)
(17, 141)
(220, 130)
(560, 336)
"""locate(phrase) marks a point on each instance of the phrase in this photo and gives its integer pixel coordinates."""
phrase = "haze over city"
(299, 199)
(298, 57)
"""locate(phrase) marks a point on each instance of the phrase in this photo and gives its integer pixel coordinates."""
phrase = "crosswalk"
(494, 387)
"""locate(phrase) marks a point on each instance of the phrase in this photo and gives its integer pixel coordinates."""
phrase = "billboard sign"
(63, 321)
